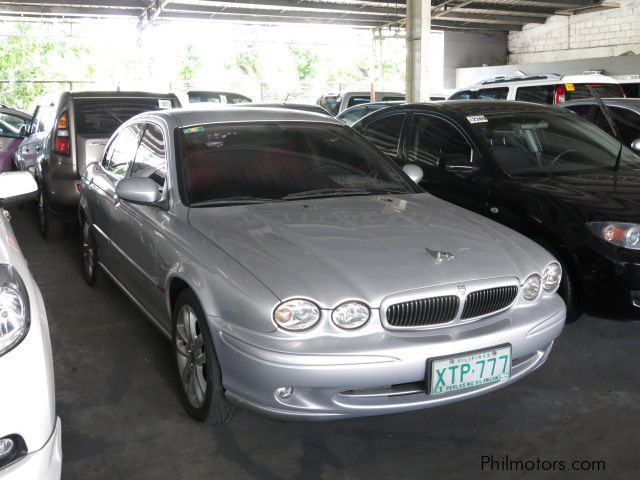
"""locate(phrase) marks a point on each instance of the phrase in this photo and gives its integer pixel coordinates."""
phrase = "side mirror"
(16, 187)
(140, 190)
(459, 164)
(635, 145)
(24, 131)
(414, 172)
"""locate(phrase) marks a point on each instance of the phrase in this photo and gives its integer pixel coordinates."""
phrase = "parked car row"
(298, 266)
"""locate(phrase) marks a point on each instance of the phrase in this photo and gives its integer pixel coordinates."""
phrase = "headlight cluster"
(549, 282)
(14, 309)
(625, 235)
(298, 315)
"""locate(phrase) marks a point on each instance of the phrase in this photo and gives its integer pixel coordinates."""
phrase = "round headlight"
(297, 315)
(13, 318)
(350, 315)
(551, 277)
(531, 287)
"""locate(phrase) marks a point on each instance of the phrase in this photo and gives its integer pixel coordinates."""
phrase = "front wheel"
(89, 255)
(198, 369)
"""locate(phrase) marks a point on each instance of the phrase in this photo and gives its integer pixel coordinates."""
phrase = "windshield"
(584, 90)
(539, 143)
(250, 163)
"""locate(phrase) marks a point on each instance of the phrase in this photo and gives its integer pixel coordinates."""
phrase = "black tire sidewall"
(214, 392)
(89, 279)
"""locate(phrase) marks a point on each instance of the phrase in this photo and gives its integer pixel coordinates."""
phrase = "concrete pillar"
(418, 30)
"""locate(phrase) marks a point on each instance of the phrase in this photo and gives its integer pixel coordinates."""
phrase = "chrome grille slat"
(490, 300)
(423, 312)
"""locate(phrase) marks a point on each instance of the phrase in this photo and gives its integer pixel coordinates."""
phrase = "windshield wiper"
(237, 200)
(333, 192)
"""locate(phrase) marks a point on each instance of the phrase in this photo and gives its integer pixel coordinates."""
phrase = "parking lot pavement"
(122, 417)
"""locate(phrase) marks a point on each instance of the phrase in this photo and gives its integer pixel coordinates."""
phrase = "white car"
(30, 443)
(548, 88)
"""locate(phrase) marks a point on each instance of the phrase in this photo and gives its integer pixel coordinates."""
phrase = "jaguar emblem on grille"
(440, 256)
(462, 289)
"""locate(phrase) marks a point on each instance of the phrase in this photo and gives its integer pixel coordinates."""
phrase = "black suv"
(68, 131)
(540, 170)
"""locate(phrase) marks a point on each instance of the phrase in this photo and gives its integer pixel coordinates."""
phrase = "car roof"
(225, 114)
(541, 79)
(118, 93)
(475, 107)
(633, 103)
(13, 111)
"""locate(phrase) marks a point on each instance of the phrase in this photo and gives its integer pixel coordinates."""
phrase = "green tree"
(305, 62)
(247, 61)
(26, 59)
(190, 65)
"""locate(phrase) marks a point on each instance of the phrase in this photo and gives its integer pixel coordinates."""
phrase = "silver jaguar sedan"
(301, 274)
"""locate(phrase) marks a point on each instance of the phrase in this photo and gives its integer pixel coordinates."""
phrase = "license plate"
(468, 370)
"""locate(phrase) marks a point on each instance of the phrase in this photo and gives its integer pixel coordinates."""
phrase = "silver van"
(70, 130)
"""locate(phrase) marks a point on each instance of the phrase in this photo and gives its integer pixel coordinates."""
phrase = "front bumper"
(44, 464)
(379, 373)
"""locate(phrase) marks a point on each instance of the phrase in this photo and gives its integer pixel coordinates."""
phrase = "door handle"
(494, 210)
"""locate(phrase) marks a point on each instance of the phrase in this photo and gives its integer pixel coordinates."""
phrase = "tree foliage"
(306, 62)
(190, 64)
(247, 61)
(26, 60)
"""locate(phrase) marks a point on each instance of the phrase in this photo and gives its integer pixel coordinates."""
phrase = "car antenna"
(284, 102)
(606, 111)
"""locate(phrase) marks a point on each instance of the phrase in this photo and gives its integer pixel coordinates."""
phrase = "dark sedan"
(541, 170)
(625, 113)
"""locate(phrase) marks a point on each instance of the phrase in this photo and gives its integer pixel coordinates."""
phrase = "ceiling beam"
(508, 9)
(153, 10)
(463, 16)
(441, 24)
(275, 19)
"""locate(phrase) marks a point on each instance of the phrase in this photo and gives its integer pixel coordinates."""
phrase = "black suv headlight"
(14, 309)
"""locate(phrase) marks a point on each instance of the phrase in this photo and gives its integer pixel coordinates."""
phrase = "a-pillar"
(418, 31)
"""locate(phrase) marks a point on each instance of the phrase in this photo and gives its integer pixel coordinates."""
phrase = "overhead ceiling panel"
(484, 15)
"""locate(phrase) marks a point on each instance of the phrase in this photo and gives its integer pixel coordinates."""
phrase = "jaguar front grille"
(423, 312)
(490, 300)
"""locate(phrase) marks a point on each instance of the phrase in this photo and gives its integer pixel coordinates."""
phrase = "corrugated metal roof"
(488, 15)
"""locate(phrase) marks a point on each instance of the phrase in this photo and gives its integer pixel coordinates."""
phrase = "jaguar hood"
(365, 247)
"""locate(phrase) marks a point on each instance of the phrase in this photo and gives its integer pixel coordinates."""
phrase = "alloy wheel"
(191, 356)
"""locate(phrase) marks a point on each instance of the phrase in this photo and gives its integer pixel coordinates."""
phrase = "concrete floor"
(122, 417)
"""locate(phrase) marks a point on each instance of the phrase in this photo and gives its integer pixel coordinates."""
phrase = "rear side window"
(358, 99)
(462, 95)
(204, 97)
(233, 98)
(103, 116)
(583, 90)
(493, 93)
(393, 98)
(627, 123)
(536, 94)
(385, 133)
(151, 161)
(631, 90)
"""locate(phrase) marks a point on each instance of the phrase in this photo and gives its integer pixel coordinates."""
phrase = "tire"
(89, 255)
(43, 215)
(199, 374)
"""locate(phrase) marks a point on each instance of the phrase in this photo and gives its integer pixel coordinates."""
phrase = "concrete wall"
(471, 50)
(588, 35)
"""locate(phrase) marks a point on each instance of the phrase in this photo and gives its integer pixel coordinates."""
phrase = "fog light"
(285, 392)
(6, 447)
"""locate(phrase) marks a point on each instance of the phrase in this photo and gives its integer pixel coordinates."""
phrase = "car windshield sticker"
(187, 131)
(477, 119)
(164, 103)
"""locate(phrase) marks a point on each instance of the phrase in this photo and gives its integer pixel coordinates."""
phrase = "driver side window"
(121, 151)
(433, 141)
